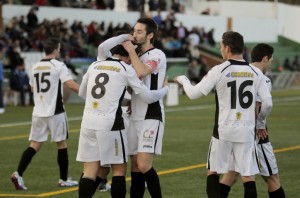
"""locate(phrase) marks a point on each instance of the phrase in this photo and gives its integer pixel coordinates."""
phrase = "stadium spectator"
(206, 11)
(32, 19)
(158, 18)
(193, 71)
(231, 138)
(46, 80)
(147, 122)
(19, 81)
(296, 63)
(175, 6)
(287, 65)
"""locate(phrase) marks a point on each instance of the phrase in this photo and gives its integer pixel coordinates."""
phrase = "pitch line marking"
(173, 109)
(170, 171)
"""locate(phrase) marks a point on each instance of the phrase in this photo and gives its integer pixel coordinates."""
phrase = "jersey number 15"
(42, 80)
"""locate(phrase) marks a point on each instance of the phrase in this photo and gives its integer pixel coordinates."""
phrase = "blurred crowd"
(27, 33)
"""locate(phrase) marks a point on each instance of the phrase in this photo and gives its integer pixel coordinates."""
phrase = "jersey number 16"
(241, 94)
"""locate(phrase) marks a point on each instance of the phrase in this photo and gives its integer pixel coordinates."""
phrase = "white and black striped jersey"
(47, 78)
(155, 59)
(237, 85)
(103, 86)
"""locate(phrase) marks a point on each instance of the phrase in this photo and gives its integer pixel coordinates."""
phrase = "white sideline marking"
(172, 109)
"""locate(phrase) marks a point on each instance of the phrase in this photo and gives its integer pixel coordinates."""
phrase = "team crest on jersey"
(238, 115)
(95, 105)
(228, 75)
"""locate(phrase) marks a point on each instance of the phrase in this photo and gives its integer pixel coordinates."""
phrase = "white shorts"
(266, 159)
(108, 147)
(57, 125)
(145, 136)
(232, 156)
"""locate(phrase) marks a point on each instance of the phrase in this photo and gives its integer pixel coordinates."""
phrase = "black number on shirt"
(100, 85)
(241, 94)
(42, 81)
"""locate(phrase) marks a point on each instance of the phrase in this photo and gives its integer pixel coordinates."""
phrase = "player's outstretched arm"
(151, 96)
(72, 85)
(139, 88)
(193, 92)
(83, 86)
(105, 47)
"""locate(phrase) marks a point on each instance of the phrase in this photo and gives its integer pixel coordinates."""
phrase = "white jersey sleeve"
(269, 84)
(193, 92)
(149, 96)
(105, 47)
(83, 85)
(47, 78)
(264, 94)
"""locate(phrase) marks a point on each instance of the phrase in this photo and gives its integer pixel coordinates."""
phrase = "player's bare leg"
(144, 162)
(228, 179)
(274, 187)
(87, 181)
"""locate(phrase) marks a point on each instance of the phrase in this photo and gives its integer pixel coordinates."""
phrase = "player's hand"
(261, 134)
(130, 37)
(129, 47)
(180, 79)
(128, 111)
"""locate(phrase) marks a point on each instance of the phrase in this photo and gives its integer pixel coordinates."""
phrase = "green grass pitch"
(181, 167)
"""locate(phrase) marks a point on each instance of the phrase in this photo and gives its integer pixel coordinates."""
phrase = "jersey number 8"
(100, 85)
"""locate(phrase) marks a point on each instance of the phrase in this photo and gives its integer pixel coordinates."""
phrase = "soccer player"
(236, 85)
(102, 138)
(47, 79)
(147, 121)
(103, 53)
(261, 56)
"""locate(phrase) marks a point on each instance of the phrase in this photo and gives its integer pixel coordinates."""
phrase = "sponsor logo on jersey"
(149, 133)
(116, 147)
(228, 75)
(110, 68)
(242, 74)
(42, 68)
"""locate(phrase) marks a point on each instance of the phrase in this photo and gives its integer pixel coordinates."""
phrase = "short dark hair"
(50, 45)
(261, 50)
(234, 40)
(151, 26)
(119, 50)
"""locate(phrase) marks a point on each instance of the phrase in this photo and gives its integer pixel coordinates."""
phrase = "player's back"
(236, 89)
(106, 86)
(47, 78)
